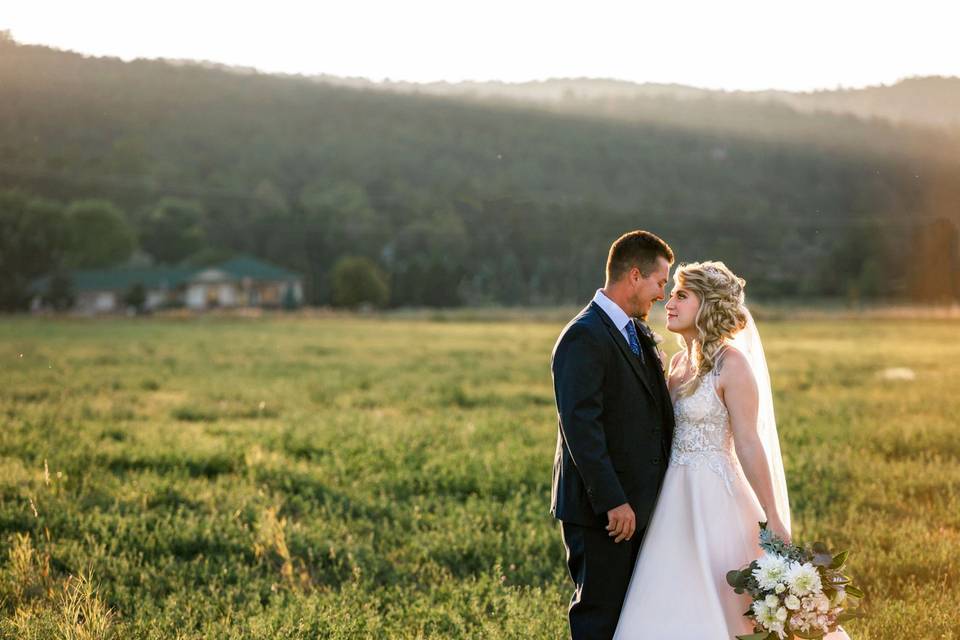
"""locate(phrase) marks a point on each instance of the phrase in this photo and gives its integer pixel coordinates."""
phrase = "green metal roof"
(122, 278)
(164, 277)
(247, 267)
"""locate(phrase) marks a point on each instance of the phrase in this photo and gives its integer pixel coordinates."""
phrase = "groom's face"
(647, 290)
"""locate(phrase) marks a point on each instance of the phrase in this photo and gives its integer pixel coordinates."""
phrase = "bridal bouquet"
(797, 592)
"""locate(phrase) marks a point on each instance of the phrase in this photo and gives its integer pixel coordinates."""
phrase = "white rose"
(792, 602)
(772, 601)
(782, 614)
(780, 588)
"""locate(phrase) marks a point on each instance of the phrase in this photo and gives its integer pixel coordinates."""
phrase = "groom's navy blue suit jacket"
(615, 422)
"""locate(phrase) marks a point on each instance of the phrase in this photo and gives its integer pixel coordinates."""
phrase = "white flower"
(772, 601)
(802, 579)
(771, 569)
(759, 609)
(766, 616)
(780, 588)
(792, 602)
(782, 614)
(777, 627)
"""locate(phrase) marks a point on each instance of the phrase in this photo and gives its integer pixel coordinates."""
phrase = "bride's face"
(682, 310)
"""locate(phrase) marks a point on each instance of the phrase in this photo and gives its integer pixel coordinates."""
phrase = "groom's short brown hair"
(636, 249)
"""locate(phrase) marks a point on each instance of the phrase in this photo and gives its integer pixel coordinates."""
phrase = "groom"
(615, 431)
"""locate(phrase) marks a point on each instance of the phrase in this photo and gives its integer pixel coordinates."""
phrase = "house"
(239, 282)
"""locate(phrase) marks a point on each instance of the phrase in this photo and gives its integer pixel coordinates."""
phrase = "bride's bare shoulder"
(733, 366)
(675, 360)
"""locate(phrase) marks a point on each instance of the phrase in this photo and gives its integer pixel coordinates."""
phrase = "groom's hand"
(621, 522)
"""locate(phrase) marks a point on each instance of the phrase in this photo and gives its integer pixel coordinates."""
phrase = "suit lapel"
(624, 349)
(648, 346)
(663, 397)
(652, 368)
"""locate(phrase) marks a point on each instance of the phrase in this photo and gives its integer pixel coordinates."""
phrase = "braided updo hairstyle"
(721, 313)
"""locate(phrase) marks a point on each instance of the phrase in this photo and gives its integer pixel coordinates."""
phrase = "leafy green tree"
(59, 294)
(209, 256)
(33, 238)
(173, 230)
(933, 262)
(289, 301)
(99, 234)
(358, 281)
(334, 219)
(135, 297)
(427, 258)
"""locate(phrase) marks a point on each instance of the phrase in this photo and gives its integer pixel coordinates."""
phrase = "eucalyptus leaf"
(839, 560)
(854, 591)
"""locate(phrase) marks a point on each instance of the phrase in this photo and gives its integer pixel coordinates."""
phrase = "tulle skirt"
(705, 524)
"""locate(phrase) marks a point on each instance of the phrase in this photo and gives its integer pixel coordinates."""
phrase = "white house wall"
(227, 295)
(196, 296)
(155, 299)
(105, 301)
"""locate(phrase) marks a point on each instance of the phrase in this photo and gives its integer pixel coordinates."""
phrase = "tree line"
(449, 202)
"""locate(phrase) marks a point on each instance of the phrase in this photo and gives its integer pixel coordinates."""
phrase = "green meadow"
(389, 476)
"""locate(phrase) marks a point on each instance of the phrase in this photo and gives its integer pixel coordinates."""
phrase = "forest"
(458, 199)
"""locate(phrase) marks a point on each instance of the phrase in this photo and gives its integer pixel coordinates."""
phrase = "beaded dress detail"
(703, 436)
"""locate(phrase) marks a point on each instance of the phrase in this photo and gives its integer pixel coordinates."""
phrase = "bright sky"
(728, 44)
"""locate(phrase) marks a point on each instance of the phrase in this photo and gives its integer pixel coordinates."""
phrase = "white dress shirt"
(614, 312)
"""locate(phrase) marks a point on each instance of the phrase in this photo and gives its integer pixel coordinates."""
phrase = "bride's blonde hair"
(720, 316)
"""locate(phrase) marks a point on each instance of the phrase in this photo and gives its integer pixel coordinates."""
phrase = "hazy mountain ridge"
(932, 101)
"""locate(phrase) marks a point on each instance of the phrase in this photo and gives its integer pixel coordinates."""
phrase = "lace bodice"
(703, 435)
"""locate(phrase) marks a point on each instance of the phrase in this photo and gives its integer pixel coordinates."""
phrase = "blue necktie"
(634, 339)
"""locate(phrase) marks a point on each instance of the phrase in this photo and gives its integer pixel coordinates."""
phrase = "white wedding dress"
(704, 525)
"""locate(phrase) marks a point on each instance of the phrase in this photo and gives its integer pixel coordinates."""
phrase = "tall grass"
(389, 477)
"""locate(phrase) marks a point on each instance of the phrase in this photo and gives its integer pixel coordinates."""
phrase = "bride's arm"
(741, 398)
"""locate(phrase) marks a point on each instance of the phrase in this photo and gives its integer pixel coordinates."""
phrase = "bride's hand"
(777, 527)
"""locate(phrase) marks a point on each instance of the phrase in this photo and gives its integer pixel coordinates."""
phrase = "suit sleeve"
(578, 373)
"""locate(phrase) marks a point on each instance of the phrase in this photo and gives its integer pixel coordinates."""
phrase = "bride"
(725, 473)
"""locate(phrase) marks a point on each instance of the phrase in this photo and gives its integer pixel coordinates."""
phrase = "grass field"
(389, 477)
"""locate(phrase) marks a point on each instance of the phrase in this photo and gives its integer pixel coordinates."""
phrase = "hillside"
(470, 202)
(920, 101)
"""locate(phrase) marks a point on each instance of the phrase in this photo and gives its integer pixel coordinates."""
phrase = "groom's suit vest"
(615, 422)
